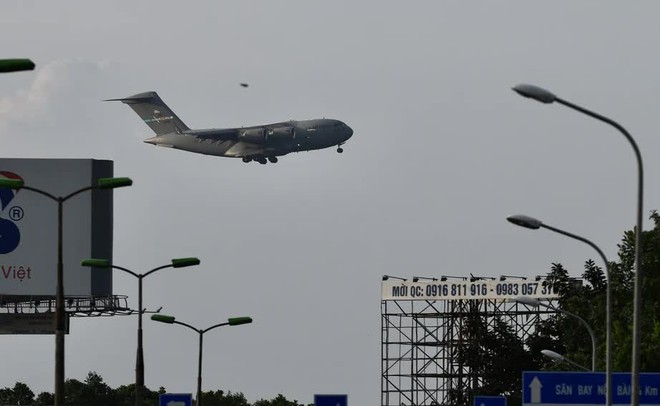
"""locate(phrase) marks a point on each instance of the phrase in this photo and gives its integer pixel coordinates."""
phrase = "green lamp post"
(139, 361)
(103, 183)
(233, 321)
(15, 65)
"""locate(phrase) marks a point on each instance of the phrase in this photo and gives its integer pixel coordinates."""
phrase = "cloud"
(60, 114)
(61, 90)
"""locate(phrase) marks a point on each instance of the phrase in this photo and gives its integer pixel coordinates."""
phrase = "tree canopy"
(500, 357)
(94, 391)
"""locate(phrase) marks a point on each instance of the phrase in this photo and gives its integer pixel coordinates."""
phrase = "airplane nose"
(349, 132)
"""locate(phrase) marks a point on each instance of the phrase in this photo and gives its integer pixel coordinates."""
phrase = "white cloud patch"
(56, 88)
(62, 107)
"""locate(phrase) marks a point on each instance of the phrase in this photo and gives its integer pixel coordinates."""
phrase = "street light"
(533, 302)
(544, 96)
(102, 183)
(139, 360)
(558, 358)
(386, 277)
(15, 65)
(232, 321)
(535, 224)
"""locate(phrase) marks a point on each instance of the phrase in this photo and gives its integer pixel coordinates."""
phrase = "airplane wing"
(251, 135)
(229, 134)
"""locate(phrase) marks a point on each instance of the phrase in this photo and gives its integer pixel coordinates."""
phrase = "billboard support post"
(60, 325)
(59, 312)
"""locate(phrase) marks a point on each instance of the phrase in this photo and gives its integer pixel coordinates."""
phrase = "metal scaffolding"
(75, 306)
(420, 341)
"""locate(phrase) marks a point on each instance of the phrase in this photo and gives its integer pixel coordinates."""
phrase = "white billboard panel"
(464, 289)
(28, 227)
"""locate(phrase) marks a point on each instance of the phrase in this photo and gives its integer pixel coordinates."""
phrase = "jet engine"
(281, 133)
(254, 135)
(261, 135)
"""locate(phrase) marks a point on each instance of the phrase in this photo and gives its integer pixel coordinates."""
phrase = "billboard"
(29, 323)
(29, 227)
(465, 289)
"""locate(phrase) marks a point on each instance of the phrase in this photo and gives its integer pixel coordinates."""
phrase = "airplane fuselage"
(275, 139)
(257, 143)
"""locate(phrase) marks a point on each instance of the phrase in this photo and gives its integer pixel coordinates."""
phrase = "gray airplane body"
(260, 143)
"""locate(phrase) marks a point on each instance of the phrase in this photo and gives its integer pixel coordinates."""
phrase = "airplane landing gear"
(340, 150)
(261, 159)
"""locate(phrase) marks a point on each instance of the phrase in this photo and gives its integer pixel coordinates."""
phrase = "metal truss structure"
(420, 340)
(75, 306)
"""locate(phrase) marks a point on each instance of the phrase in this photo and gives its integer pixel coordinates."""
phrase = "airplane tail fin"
(154, 112)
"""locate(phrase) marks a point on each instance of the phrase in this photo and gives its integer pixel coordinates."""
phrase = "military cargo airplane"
(261, 143)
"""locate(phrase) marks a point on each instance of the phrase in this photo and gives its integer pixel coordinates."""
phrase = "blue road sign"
(330, 400)
(489, 401)
(586, 388)
(175, 399)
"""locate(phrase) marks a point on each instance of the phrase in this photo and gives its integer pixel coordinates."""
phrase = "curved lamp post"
(558, 358)
(536, 303)
(535, 224)
(139, 360)
(15, 65)
(102, 183)
(233, 321)
(544, 96)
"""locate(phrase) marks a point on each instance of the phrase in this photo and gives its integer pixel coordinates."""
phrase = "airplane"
(261, 143)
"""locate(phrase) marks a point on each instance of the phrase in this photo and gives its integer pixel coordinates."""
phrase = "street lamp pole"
(535, 224)
(536, 303)
(139, 359)
(544, 96)
(102, 183)
(233, 321)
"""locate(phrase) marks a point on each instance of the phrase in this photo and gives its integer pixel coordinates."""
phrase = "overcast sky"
(442, 152)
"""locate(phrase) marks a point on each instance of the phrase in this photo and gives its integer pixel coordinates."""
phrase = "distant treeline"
(93, 391)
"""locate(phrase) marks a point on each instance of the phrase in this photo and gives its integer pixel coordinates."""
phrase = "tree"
(94, 391)
(23, 395)
(74, 392)
(124, 395)
(496, 357)
(493, 357)
(588, 301)
(44, 399)
(280, 400)
(19, 395)
(219, 398)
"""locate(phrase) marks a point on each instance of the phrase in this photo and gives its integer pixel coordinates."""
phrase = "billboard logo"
(10, 236)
